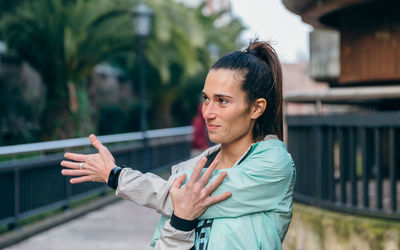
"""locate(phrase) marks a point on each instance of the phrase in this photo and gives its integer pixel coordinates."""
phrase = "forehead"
(223, 81)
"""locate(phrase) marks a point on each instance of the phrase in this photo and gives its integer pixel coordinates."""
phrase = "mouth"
(212, 127)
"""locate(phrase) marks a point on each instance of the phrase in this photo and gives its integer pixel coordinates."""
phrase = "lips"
(212, 127)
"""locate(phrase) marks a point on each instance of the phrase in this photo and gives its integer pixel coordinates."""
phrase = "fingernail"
(204, 158)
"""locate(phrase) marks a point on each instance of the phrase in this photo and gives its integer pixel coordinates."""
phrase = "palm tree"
(64, 40)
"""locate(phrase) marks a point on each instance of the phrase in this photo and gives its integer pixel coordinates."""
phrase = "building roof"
(321, 13)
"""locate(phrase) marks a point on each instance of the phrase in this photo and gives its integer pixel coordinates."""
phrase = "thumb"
(96, 142)
(178, 181)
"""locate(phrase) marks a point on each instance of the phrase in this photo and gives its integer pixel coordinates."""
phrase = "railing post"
(318, 161)
(330, 164)
(392, 166)
(378, 167)
(365, 164)
(17, 200)
(353, 166)
(343, 165)
(68, 194)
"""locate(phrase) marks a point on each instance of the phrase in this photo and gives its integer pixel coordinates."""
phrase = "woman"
(242, 100)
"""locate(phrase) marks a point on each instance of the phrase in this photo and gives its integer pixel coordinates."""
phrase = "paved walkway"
(121, 226)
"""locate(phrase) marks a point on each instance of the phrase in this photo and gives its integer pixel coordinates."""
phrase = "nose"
(208, 110)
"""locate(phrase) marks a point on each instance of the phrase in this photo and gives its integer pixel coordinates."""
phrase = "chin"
(214, 139)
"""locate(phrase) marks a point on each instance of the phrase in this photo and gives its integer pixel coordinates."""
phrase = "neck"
(231, 152)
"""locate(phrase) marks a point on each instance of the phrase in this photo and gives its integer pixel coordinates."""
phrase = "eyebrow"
(217, 95)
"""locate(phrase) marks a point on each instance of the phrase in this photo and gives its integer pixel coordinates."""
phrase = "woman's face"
(225, 107)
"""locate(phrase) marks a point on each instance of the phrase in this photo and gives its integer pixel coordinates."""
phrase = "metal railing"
(347, 162)
(35, 185)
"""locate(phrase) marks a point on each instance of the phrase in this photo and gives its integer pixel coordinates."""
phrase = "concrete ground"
(122, 225)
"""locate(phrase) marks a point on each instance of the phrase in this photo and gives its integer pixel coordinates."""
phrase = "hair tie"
(251, 51)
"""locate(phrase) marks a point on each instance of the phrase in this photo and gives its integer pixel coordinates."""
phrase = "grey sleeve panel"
(147, 190)
(171, 238)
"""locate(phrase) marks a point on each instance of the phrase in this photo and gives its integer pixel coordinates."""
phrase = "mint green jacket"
(258, 213)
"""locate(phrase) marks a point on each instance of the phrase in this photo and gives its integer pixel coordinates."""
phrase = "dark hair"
(262, 73)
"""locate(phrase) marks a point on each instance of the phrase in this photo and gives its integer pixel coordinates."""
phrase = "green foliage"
(65, 39)
(20, 110)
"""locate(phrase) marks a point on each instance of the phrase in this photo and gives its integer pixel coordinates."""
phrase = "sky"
(271, 21)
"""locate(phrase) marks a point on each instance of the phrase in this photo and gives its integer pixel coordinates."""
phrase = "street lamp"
(142, 18)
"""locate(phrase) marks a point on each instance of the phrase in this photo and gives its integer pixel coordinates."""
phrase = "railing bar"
(335, 206)
(349, 119)
(80, 142)
(303, 161)
(365, 173)
(343, 195)
(352, 165)
(378, 167)
(318, 161)
(24, 208)
(310, 158)
(17, 195)
(307, 186)
(331, 169)
(392, 166)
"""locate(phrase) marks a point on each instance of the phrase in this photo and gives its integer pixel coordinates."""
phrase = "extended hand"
(194, 198)
(90, 167)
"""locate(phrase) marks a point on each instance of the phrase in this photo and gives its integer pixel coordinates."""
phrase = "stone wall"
(318, 229)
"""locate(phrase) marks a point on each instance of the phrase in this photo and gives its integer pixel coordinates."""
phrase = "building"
(348, 161)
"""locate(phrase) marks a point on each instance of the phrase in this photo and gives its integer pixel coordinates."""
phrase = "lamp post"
(142, 18)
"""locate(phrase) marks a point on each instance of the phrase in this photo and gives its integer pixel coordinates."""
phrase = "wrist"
(112, 180)
(184, 215)
(182, 224)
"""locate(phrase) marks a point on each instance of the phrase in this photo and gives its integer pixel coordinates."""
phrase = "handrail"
(84, 141)
(22, 180)
(347, 162)
(343, 94)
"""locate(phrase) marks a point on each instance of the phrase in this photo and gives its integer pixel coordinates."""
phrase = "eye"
(222, 101)
(205, 98)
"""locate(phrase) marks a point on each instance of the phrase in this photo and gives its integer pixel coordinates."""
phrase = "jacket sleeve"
(150, 190)
(259, 183)
(171, 238)
(147, 190)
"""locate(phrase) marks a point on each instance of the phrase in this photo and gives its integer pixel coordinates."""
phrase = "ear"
(258, 108)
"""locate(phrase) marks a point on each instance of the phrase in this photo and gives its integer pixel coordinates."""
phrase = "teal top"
(258, 213)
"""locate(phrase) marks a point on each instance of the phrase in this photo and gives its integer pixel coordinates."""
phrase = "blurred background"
(69, 68)
(132, 71)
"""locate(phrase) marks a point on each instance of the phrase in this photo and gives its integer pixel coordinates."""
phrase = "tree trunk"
(67, 112)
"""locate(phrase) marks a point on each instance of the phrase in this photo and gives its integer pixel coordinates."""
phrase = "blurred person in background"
(200, 138)
(236, 194)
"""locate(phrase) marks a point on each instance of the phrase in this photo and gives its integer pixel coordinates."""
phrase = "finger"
(207, 174)
(212, 200)
(96, 143)
(76, 157)
(70, 164)
(216, 183)
(178, 181)
(74, 172)
(80, 179)
(197, 171)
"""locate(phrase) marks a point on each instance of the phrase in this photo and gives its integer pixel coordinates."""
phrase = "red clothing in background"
(200, 137)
